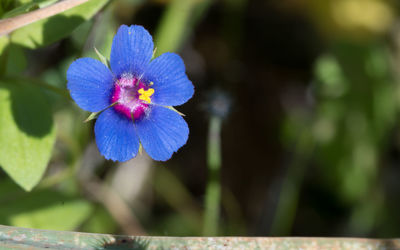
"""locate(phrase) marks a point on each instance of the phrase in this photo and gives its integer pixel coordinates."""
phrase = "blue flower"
(134, 97)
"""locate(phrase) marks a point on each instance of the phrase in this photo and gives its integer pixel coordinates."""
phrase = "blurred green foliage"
(355, 109)
(43, 209)
(355, 95)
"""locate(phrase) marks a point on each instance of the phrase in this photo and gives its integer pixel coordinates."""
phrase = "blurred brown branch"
(115, 205)
(10, 24)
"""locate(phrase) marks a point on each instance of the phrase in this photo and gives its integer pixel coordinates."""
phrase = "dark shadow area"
(30, 109)
(58, 27)
(3, 58)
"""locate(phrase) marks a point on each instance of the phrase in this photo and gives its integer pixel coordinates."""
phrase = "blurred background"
(307, 97)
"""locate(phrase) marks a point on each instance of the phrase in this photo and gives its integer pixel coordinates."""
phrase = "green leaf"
(16, 60)
(27, 133)
(6, 5)
(52, 29)
(44, 209)
(21, 10)
(27, 7)
(3, 43)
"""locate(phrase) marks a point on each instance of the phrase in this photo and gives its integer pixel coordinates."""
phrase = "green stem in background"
(177, 20)
(289, 195)
(213, 191)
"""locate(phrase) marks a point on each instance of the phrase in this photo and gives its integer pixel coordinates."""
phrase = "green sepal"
(154, 53)
(140, 144)
(173, 109)
(140, 148)
(93, 116)
(102, 58)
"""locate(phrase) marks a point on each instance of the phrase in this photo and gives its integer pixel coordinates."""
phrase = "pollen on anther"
(146, 94)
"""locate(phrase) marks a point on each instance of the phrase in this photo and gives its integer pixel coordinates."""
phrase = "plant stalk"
(213, 190)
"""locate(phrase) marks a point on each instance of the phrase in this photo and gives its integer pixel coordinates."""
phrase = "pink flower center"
(132, 97)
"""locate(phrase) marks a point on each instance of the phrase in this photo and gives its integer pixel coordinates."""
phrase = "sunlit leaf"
(43, 209)
(27, 133)
(3, 43)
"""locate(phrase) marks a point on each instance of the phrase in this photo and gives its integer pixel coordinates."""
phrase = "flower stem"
(213, 190)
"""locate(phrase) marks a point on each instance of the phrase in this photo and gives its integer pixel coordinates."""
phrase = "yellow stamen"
(145, 94)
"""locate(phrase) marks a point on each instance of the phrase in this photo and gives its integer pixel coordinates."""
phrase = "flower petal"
(116, 137)
(162, 132)
(172, 86)
(90, 84)
(131, 50)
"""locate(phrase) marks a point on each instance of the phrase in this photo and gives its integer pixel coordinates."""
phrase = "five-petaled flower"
(135, 97)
